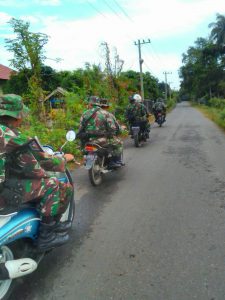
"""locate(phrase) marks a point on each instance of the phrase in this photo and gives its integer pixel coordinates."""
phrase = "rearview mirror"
(71, 136)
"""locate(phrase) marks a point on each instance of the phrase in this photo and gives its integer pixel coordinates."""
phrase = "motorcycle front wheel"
(95, 174)
(6, 286)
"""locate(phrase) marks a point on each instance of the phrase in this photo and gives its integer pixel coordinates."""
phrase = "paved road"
(155, 230)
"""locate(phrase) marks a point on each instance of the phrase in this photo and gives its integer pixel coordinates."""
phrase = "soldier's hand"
(68, 157)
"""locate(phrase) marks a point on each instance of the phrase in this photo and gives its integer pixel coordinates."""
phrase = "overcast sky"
(78, 27)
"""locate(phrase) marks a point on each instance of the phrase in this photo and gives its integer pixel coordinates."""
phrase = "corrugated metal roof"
(5, 72)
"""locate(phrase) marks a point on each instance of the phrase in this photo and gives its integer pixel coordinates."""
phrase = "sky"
(77, 29)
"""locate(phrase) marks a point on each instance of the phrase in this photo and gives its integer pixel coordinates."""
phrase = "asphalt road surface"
(154, 230)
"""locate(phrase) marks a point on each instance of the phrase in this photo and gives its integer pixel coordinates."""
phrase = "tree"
(218, 31)
(28, 50)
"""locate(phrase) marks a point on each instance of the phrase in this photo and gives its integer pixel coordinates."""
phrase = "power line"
(124, 12)
(115, 12)
(98, 11)
(150, 70)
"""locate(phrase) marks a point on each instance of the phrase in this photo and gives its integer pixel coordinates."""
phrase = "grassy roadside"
(214, 114)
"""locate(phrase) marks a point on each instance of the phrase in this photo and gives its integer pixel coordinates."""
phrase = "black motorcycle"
(160, 118)
(97, 161)
(139, 133)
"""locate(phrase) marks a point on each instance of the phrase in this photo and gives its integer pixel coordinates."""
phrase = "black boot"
(118, 160)
(63, 226)
(49, 238)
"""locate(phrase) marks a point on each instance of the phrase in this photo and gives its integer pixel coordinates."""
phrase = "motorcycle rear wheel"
(136, 140)
(95, 174)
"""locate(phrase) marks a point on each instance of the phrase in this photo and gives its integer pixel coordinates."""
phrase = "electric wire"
(111, 8)
(127, 34)
(124, 12)
(98, 11)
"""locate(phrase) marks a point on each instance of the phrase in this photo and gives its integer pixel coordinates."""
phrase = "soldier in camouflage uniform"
(100, 126)
(24, 177)
(137, 114)
(159, 106)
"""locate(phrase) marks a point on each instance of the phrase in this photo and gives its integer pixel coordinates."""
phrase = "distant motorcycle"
(160, 118)
(97, 161)
(19, 230)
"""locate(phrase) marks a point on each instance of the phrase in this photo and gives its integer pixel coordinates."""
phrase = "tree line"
(203, 69)
(34, 79)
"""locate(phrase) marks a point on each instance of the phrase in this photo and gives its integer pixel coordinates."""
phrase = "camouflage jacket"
(24, 161)
(101, 122)
(136, 112)
(159, 106)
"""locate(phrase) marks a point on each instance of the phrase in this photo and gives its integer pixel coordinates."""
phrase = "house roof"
(5, 72)
(59, 90)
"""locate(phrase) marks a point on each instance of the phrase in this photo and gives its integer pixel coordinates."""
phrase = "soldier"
(159, 106)
(101, 126)
(136, 113)
(23, 176)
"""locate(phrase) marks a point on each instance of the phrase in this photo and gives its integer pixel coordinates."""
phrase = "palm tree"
(218, 31)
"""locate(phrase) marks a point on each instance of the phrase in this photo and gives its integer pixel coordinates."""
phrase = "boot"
(118, 160)
(49, 238)
(113, 164)
(63, 226)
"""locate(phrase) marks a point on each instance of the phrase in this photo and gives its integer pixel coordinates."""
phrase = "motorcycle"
(139, 134)
(20, 229)
(160, 119)
(97, 161)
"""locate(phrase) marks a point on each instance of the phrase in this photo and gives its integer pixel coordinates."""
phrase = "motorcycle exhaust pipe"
(17, 268)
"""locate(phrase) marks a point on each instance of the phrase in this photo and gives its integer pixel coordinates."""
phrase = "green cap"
(94, 100)
(12, 105)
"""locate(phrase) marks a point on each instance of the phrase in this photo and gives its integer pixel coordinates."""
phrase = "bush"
(217, 103)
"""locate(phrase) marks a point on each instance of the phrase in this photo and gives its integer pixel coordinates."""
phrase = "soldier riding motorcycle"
(36, 197)
(137, 117)
(103, 150)
(159, 110)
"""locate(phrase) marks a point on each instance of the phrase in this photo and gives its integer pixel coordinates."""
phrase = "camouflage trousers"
(115, 142)
(50, 194)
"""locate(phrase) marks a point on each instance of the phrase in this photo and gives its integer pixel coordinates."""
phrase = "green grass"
(215, 114)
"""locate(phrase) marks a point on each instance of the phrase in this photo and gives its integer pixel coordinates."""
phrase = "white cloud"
(30, 19)
(77, 41)
(4, 18)
(162, 18)
(5, 56)
(48, 2)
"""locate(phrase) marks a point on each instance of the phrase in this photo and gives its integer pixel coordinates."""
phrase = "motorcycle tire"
(7, 286)
(136, 140)
(16, 250)
(95, 174)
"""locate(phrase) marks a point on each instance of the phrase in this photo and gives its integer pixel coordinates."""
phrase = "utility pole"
(166, 84)
(139, 43)
(170, 89)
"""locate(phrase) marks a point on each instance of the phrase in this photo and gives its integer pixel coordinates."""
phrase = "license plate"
(90, 158)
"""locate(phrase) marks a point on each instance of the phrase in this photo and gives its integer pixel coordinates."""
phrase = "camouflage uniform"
(101, 124)
(159, 106)
(136, 112)
(24, 170)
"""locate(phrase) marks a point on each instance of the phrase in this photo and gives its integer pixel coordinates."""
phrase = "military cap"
(12, 105)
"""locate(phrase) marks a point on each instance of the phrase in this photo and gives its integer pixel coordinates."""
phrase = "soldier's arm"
(52, 163)
(12, 141)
